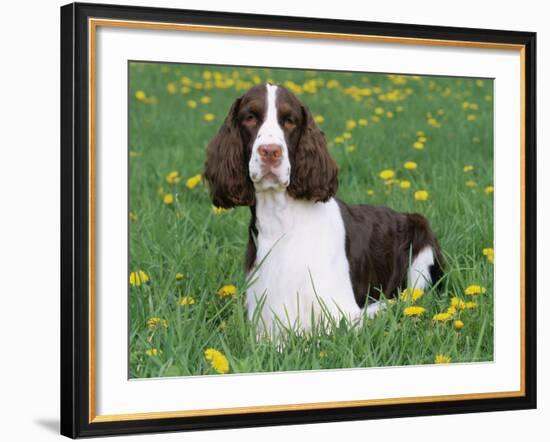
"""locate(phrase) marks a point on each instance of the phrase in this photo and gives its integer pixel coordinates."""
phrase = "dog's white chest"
(301, 267)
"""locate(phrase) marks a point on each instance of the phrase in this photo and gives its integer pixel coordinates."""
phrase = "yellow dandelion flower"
(207, 75)
(489, 189)
(141, 96)
(410, 165)
(433, 122)
(310, 87)
(421, 195)
(399, 109)
(133, 216)
(405, 184)
(319, 119)
(346, 135)
(218, 210)
(414, 311)
(192, 104)
(442, 317)
(180, 276)
(168, 199)
(423, 139)
(451, 310)
(339, 140)
(153, 352)
(208, 117)
(156, 322)
(217, 360)
(173, 177)
(471, 117)
(386, 174)
(491, 258)
(389, 114)
(471, 183)
(363, 122)
(379, 110)
(468, 168)
(171, 88)
(458, 325)
(488, 251)
(442, 359)
(488, 98)
(323, 354)
(193, 182)
(420, 133)
(185, 90)
(470, 305)
(370, 192)
(227, 290)
(475, 290)
(412, 294)
(206, 100)
(138, 277)
(350, 148)
(366, 92)
(376, 118)
(187, 300)
(418, 145)
(457, 303)
(350, 124)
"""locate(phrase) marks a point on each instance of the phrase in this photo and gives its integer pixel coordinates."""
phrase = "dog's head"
(269, 140)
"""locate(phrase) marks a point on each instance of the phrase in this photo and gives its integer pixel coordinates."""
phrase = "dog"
(310, 255)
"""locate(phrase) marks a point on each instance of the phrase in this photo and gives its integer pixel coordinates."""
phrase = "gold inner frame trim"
(93, 24)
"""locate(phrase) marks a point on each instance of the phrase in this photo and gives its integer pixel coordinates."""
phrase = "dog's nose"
(270, 153)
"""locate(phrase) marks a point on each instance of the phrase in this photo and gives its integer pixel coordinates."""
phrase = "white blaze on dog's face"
(269, 164)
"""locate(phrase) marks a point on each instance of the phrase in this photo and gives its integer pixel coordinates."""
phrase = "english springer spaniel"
(310, 255)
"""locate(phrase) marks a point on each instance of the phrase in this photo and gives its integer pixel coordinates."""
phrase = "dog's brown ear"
(313, 174)
(226, 168)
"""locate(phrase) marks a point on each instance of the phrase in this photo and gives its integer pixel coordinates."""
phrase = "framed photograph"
(274, 220)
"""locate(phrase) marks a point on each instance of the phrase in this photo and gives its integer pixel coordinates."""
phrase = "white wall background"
(29, 221)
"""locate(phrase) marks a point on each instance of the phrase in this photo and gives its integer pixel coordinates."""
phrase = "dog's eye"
(250, 120)
(288, 123)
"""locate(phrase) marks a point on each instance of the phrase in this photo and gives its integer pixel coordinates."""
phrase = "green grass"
(166, 135)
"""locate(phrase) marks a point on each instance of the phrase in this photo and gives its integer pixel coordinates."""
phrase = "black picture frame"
(75, 220)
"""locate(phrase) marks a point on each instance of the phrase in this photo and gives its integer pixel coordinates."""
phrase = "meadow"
(413, 143)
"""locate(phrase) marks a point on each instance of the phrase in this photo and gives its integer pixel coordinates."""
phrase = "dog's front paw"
(375, 308)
